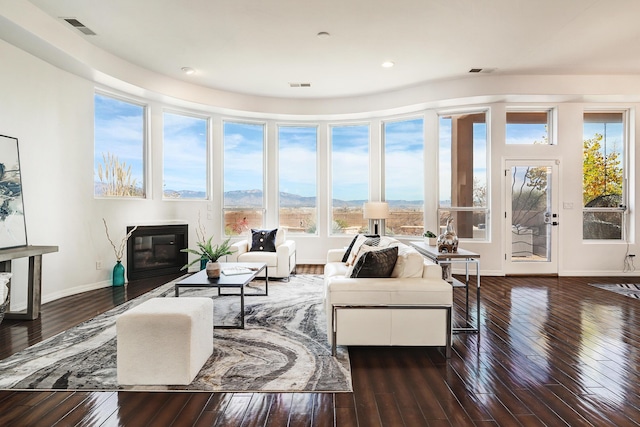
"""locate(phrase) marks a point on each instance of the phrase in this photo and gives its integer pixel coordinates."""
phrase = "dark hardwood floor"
(552, 351)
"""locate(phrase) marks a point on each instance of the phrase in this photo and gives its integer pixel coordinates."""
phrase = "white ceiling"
(258, 47)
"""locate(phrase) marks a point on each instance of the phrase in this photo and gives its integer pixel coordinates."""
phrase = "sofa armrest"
(285, 254)
(335, 255)
(286, 249)
(238, 249)
(431, 270)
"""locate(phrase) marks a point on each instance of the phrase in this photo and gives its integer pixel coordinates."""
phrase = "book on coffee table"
(232, 271)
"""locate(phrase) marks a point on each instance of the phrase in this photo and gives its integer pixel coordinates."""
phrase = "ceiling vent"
(79, 26)
(482, 70)
(299, 84)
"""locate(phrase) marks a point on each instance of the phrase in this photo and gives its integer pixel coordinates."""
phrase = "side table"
(34, 283)
(445, 260)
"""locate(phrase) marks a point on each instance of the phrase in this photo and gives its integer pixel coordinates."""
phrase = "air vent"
(482, 70)
(79, 26)
(299, 84)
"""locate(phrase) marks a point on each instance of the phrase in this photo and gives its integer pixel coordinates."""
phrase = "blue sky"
(185, 149)
(298, 159)
(119, 129)
(350, 162)
(243, 156)
(404, 159)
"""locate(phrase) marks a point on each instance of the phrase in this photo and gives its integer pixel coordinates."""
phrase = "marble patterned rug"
(631, 290)
(282, 348)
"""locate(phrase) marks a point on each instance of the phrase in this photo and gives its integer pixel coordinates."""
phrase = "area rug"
(630, 290)
(282, 348)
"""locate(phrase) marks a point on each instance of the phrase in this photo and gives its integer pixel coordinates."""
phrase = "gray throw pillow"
(378, 263)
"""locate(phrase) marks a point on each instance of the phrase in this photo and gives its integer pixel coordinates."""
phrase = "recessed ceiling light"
(323, 35)
(388, 64)
(188, 70)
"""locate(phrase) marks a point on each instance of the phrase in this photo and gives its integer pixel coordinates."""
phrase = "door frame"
(550, 267)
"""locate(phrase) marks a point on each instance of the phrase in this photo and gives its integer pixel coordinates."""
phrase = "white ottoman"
(164, 341)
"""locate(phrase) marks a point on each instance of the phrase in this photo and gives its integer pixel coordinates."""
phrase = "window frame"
(486, 210)
(551, 127)
(331, 197)
(383, 172)
(263, 208)
(316, 127)
(145, 142)
(207, 182)
(625, 235)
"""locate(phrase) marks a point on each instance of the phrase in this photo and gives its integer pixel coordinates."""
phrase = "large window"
(185, 157)
(603, 189)
(119, 140)
(528, 127)
(243, 176)
(463, 174)
(404, 176)
(298, 178)
(349, 177)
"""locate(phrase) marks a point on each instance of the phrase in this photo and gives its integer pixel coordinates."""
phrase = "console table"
(34, 281)
(445, 260)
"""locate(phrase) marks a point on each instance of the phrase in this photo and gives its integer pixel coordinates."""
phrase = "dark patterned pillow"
(263, 240)
(345, 257)
(378, 263)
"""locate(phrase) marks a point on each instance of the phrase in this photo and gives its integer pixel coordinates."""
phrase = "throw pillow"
(345, 257)
(375, 263)
(263, 240)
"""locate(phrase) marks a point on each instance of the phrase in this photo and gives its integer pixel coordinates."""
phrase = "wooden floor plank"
(551, 351)
(93, 411)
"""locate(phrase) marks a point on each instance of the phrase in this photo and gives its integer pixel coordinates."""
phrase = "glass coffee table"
(236, 278)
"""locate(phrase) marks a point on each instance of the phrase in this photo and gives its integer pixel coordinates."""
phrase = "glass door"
(531, 217)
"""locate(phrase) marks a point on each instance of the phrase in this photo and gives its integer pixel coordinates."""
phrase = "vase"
(203, 263)
(448, 241)
(213, 269)
(118, 274)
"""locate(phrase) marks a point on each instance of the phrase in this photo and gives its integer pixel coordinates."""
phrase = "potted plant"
(430, 238)
(210, 253)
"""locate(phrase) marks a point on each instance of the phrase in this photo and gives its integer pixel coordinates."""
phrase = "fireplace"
(154, 250)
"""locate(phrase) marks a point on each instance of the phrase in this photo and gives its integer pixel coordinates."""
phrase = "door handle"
(554, 223)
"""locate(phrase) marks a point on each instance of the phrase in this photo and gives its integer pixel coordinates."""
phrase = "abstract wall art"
(13, 230)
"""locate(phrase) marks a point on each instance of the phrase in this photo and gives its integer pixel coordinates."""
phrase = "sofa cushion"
(375, 262)
(409, 264)
(263, 240)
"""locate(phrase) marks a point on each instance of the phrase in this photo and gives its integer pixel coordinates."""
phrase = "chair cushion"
(263, 240)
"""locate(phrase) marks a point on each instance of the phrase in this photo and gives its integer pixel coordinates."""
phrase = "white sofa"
(410, 308)
(281, 263)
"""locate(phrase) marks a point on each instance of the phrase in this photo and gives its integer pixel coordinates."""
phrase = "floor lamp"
(376, 211)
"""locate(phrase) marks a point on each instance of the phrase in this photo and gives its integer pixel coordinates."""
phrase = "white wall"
(50, 111)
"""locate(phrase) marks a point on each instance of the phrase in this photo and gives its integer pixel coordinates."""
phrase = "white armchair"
(281, 263)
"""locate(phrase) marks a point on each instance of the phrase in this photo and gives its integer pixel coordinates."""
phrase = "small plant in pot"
(211, 253)
(430, 237)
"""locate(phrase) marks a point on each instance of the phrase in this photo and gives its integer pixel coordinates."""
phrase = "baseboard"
(599, 273)
(73, 291)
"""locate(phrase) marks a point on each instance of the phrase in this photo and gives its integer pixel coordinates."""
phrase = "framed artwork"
(13, 228)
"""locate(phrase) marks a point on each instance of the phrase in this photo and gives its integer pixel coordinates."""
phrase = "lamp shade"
(375, 210)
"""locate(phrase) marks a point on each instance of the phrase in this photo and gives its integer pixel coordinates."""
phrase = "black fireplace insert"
(154, 250)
